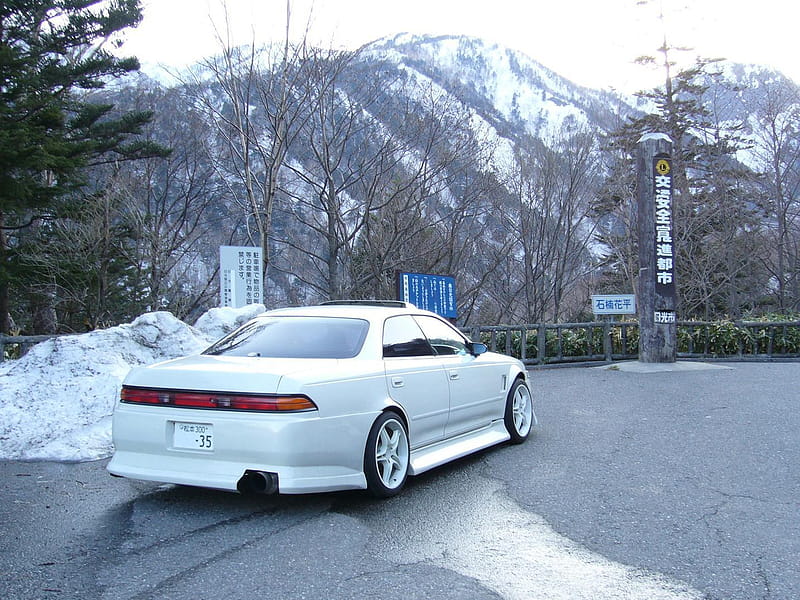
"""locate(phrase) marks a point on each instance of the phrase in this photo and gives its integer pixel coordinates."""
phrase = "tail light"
(217, 400)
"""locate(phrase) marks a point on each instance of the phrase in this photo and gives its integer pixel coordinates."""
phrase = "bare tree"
(551, 225)
(721, 255)
(339, 173)
(777, 146)
(170, 208)
(256, 105)
(382, 186)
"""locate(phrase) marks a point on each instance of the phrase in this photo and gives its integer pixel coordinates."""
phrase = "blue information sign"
(436, 293)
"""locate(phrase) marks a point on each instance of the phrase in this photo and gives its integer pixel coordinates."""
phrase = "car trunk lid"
(219, 373)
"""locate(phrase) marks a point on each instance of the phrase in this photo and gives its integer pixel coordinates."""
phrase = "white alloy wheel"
(386, 457)
(519, 412)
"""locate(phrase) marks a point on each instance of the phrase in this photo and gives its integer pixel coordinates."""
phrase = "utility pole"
(657, 252)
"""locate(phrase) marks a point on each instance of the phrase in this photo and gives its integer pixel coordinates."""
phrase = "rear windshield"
(295, 337)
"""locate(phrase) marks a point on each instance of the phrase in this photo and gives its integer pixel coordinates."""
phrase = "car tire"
(519, 412)
(387, 455)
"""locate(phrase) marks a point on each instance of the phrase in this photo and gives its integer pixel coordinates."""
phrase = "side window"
(403, 337)
(444, 339)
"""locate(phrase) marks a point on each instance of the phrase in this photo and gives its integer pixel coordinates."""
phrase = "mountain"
(430, 154)
(509, 90)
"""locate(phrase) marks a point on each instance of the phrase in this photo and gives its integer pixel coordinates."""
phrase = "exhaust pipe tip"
(258, 482)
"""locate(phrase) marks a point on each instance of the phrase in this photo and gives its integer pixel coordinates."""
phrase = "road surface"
(669, 485)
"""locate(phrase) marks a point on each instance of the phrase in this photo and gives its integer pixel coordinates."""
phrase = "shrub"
(716, 339)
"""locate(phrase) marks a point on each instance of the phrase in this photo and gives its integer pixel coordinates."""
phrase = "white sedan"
(332, 397)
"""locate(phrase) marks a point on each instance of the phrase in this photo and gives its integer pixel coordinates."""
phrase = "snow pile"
(56, 401)
(219, 322)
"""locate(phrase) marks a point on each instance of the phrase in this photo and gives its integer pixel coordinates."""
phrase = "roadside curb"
(635, 366)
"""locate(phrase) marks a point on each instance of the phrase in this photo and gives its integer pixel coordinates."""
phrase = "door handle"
(454, 375)
(397, 382)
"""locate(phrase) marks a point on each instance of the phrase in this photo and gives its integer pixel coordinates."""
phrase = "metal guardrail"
(544, 343)
(599, 341)
(607, 341)
(19, 344)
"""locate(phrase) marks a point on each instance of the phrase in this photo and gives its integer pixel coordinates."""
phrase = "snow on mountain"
(752, 99)
(56, 401)
(503, 85)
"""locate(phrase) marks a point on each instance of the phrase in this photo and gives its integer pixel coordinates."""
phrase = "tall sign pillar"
(657, 252)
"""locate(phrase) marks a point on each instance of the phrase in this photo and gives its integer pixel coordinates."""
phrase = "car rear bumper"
(308, 453)
(226, 475)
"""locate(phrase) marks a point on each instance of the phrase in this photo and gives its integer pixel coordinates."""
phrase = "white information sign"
(664, 316)
(614, 304)
(240, 280)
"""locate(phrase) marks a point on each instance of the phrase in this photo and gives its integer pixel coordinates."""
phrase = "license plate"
(193, 436)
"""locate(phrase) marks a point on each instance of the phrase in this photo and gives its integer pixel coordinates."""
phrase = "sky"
(591, 42)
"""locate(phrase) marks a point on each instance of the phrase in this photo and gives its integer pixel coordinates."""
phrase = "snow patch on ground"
(486, 535)
(56, 401)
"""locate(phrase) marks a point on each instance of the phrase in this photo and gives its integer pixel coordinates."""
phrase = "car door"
(477, 383)
(416, 379)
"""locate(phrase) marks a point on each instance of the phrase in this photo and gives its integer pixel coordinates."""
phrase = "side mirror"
(476, 348)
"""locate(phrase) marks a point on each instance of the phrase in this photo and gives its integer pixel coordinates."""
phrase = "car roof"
(374, 315)
(370, 312)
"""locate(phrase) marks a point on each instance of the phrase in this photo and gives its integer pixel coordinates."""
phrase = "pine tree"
(53, 54)
(714, 222)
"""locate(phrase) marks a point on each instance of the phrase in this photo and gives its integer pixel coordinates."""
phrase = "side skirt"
(428, 457)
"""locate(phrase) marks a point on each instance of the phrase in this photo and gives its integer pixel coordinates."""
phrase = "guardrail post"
(541, 343)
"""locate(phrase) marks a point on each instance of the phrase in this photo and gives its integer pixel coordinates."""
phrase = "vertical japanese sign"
(436, 293)
(655, 205)
(240, 276)
(664, 246)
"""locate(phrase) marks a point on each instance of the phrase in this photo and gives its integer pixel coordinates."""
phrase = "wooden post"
(657, 252)
(608, 343)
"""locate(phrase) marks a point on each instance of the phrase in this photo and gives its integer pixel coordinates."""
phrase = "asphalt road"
(658, 485)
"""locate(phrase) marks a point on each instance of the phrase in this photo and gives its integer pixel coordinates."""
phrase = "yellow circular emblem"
(662, 166)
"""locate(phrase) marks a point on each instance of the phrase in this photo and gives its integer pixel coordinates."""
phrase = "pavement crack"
(155, 588)
(176, 539)
(761, 571)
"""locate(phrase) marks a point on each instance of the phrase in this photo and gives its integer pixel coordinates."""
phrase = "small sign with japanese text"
(664, 317)
(436, 293)
(614, 304)
(240, 280)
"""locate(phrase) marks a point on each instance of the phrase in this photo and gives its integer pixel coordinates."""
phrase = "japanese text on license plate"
(193, 436)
